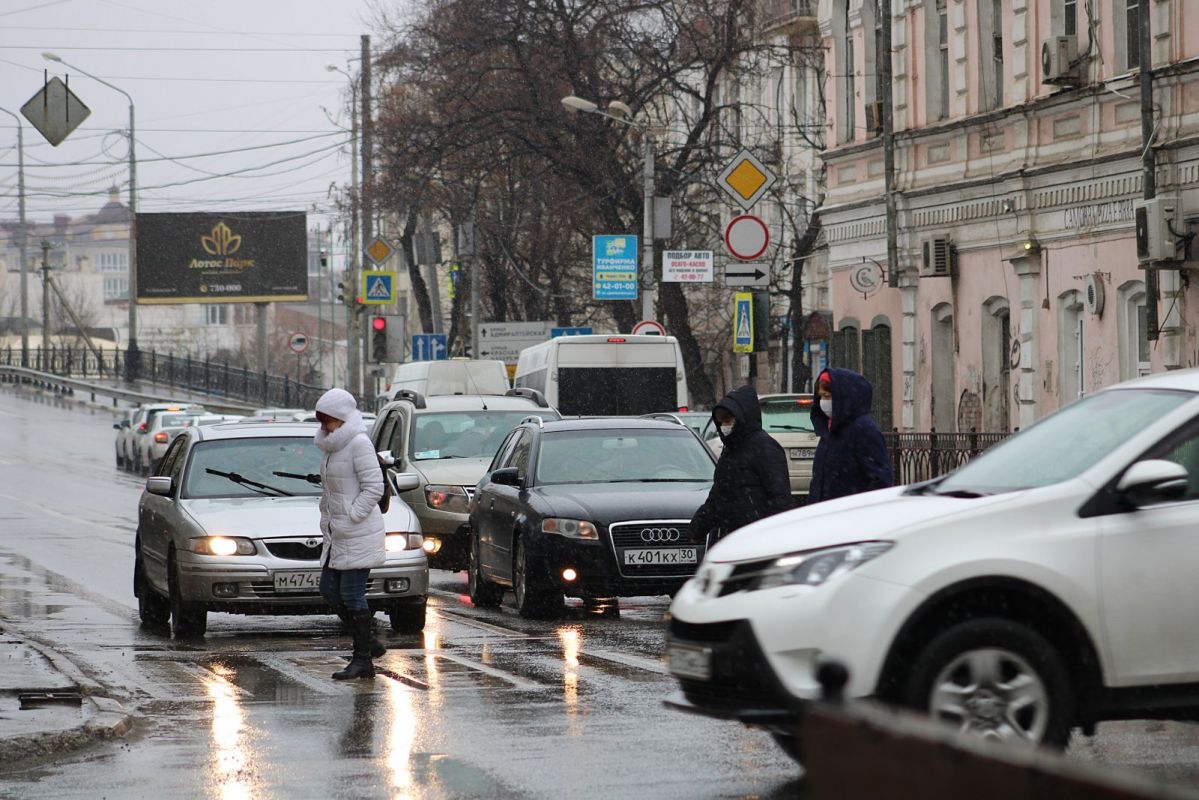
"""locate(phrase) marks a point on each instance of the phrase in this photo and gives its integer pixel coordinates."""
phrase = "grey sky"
(221, 75)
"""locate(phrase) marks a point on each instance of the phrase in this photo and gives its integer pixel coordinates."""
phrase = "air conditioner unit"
(1094, 292)
(1059, 55)
(1155, 240)
(874, 117)
(938, 257)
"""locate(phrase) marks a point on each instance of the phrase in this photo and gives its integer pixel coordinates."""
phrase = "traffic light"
(346, 293)
(379, 339)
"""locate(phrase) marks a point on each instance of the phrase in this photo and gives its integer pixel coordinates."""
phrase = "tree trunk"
(801, 252)
(674, 302)
(419, 288)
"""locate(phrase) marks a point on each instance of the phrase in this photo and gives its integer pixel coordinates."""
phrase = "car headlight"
(396, 542)
(444, 497)
(571, 528)
(816, 567)
(221, 546)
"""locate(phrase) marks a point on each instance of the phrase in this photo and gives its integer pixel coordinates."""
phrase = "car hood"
(604, 503)
(884, 514)
(454, 471)
(257, 516)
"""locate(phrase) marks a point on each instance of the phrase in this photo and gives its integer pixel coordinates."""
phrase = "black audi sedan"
(590, 508)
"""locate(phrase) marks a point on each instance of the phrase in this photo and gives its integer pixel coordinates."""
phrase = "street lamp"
(352, 348)
(132, 355)
(618, 112)
(22, 241)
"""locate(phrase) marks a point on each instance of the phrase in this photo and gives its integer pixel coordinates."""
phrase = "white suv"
(1048, 584)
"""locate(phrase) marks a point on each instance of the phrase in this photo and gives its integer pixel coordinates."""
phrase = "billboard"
(240, 257)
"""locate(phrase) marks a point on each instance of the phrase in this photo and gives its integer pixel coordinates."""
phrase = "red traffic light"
(379, 323)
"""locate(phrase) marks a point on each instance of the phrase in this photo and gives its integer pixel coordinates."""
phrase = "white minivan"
(448, 376)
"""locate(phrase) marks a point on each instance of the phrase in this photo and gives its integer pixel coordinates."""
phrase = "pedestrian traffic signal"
(346, 292)
(379, 339)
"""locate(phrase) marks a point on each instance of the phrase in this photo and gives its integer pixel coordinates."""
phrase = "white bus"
(601, 375)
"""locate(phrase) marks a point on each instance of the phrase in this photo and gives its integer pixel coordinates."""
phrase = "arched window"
(846, 345)
(944, 400)
(1071, 348)
(876, 367)
(996, 361)
(1132, 325)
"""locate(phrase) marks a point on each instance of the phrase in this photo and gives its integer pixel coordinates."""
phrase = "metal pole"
(22, 240)
(352, 337)
(368, 153)
(884, 90)
(647, 225)
(473, 260)
(260, 314)
(133, 353)
(45, 294)
(1148, 157)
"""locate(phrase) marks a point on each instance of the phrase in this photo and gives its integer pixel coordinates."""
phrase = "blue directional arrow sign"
(429, 346)
(555, 332)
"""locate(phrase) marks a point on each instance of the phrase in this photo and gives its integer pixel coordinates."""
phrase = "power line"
(48, 165)
(143, 49)
(189, 32)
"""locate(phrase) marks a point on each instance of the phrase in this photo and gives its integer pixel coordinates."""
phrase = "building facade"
(1018, 172)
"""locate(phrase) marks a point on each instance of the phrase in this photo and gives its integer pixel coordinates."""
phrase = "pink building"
(1018, 176)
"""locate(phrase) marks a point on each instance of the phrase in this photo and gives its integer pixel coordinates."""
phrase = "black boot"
(347, 625)
(360, 665)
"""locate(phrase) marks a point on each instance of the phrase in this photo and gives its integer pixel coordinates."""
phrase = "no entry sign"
(746, 237)
(298, 342)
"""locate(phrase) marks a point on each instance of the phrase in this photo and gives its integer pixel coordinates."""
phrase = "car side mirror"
(405, 481)
(116, 426)
(1153, 481)
(508, 476)
(386, 458)
(160, 485)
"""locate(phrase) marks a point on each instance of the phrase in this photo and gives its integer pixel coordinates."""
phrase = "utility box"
(1155, 239)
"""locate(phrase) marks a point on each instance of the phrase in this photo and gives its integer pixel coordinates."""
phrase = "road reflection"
(572, 640)
(401, 734)
(233, 777)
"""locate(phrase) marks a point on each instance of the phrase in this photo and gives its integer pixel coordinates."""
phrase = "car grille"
(265, 589)
(745, 577)
(632, 536)
(295, 550)
(711, 632)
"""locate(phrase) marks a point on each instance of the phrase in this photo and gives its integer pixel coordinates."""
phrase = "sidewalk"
(47, 705)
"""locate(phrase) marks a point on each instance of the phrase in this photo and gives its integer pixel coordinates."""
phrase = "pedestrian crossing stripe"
(378, 288)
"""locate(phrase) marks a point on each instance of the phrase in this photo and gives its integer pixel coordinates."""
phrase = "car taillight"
(616, 340)
(141, 428)
(683, 409)
(161, 437)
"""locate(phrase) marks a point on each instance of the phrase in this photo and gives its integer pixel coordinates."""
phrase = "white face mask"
(826, 405)
(725, 430)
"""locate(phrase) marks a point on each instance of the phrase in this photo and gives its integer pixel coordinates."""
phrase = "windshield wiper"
(249, 484)
(311, 477)
(966, 493)
(654, 480)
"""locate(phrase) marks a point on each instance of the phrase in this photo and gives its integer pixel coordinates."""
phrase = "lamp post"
(618, 112)
(22, 244)
(353, 380)
(132, 355)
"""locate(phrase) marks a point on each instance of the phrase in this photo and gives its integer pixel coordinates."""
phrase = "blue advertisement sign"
(614, 259)
(555, 332)
(428, 346)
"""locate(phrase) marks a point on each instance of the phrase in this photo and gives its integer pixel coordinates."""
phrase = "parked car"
(786, 418)
(696, 420)
(448, 441)
(160, 431)
(129, 437)
(124, 429)
(592, 508)
(230, 522)
(276, 414)
(1048, 584)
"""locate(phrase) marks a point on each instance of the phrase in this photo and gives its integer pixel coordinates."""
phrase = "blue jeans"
(345, 587)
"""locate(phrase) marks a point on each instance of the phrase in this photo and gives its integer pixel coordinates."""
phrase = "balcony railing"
(776, 13)
(919, 457)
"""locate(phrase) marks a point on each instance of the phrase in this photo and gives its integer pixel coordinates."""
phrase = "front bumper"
(599, 573)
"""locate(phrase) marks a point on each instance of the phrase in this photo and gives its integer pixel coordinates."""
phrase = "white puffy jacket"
(353, 483)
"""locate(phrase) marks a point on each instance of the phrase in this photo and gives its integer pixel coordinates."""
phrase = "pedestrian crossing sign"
(743, 322)
(378, 288)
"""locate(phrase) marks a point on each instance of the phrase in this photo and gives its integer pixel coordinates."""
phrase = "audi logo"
(660, 534)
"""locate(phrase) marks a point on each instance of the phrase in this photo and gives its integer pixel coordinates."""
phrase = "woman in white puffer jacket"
(352, 525)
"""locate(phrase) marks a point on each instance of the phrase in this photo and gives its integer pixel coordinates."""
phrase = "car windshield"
(622, 455)
(1077, 437)
(254, 461)
(789, 415)
(463, 434)
(175, 420)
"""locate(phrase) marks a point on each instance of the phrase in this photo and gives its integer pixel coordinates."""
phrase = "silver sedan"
(230, 522)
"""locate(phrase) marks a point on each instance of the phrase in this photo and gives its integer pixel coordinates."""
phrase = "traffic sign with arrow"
(747, 275)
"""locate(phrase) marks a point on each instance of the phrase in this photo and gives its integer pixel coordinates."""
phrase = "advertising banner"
(614, 261)
(240, 257)
(687, 266)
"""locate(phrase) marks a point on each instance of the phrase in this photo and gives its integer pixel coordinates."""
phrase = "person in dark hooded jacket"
(852, 456)
(751, 479)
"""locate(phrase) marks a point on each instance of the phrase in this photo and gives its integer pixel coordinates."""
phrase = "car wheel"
(789, 743)
(997, 679)
(483, 593)
(407, 618)
(187, 618)
(153, 609)
(536, 598)
(120, 460)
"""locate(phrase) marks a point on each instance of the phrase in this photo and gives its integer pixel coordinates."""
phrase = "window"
(943, 47)
(216, 314)
(116, 289)
(112, 262)
(1070, 17)
(851, 86)
(520, 454)
(1132, 31)
(997, 51)
(944, 355)
(1133, 327)
(1071, 349)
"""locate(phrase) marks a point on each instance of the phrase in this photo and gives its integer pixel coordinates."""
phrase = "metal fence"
(919, 457)
(168, 370)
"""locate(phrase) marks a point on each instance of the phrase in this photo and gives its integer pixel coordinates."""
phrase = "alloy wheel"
(993, 693)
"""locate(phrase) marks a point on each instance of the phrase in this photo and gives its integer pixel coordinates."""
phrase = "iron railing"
(919, 457)
(176, 372)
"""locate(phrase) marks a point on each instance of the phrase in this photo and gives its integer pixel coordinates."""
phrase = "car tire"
(536, 596)
(1006, 663)
(153, 609)
(407, 618)
(188, 619)
(790, 745)
(483, 593)
(120, 460)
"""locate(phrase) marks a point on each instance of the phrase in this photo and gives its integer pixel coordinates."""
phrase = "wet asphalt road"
(484, 704)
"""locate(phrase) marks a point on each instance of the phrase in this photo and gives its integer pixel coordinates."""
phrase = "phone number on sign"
(224, 287)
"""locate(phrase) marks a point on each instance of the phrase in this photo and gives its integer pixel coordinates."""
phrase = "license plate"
(800, 453)
(297, 581)
(678, 555)
(689, 661)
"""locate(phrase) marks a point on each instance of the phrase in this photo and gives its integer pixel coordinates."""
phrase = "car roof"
(469, 402)
(1182, 379)
(609, 423)
(254, 430)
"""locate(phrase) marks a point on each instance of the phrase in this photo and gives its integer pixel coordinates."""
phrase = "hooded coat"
(751, 480)
(851, 456)
(351, 522)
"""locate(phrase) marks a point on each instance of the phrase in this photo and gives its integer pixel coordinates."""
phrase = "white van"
(450, 376)
(602, 375)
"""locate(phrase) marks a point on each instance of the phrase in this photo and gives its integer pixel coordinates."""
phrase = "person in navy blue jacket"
(852, 456)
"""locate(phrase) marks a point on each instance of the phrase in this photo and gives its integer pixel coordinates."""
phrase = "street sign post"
(298, 342)
(55, 111)
(746, 179)
(687, 266)
(743, 322)
(746, 237)
(429, 347)
(503, 341)
(380, 250)
(378, 288)
(614, 262)
(755, 274)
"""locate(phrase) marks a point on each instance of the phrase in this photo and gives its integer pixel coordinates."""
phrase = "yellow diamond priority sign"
(379, 250)
(746, 179)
